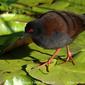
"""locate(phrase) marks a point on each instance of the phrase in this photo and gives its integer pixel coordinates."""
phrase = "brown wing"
(62, 21)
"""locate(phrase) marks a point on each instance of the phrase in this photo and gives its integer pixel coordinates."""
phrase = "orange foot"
(51, 59)
(69, 56)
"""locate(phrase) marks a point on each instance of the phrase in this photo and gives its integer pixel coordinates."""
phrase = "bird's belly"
(56, 40)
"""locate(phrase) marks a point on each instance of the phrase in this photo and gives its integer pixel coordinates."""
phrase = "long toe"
(70, 59)
(47, 63)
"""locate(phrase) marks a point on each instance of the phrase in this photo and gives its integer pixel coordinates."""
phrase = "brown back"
(61, 21)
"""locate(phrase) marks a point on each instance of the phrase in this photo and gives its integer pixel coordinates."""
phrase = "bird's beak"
(27, 38)
(26, 34)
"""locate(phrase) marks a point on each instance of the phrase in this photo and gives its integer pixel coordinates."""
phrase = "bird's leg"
(69, 55)
(50, 60)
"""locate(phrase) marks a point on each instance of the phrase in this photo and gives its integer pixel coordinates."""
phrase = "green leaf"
(10, 23)
(78, 43)
(16, 66)
(35, 2)
(19, 80)
(62, 74)
(39, 10)
(58, 5)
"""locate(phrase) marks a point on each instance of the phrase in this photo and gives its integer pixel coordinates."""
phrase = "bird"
(55, 30)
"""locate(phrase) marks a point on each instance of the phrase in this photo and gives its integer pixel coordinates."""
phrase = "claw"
(51, 59)
(69, 56)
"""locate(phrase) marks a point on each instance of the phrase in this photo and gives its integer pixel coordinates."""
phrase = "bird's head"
(34, 28)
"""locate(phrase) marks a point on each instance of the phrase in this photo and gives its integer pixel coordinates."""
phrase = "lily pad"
(63, 74)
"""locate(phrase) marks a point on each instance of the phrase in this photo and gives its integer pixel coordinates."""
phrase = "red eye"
(31, 30)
